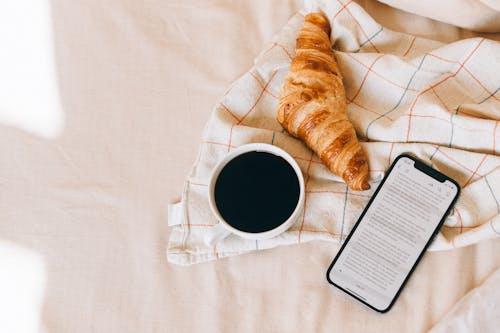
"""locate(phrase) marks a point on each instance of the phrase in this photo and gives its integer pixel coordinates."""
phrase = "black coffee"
(257, 191)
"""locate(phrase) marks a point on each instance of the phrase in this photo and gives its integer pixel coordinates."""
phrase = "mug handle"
(218, 233)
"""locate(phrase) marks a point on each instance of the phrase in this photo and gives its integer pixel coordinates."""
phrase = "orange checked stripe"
(482, 85)
(229, 111)
(201, 225)
(366, 75)
(284, 50)
(216, 253)
(468, 71)
(461, 227)
(258, 98)
(322, 232)
(379, 75)
(475, 171)
(443, 59)
(339, 192)
(240, 121)
(460, 219)
(360, 27)
(229, 146)
(390, 154)
(443, 119)
(416, 100)
(305, 198)
(218, 144)
(437, 84)
(196, 184)
(440, 100)
(262, 84)
(411, 45)
(306, 159)
(495, 138)
(341, 10)
(372, 111)
(452, 159)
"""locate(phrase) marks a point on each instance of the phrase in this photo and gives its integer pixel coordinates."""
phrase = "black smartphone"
(393, 232)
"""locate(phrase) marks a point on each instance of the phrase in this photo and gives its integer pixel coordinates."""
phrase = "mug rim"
(258, 147)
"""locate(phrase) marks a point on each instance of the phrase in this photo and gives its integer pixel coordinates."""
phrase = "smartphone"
(393, 232)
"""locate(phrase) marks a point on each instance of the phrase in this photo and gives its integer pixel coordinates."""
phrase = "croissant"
(312, 105)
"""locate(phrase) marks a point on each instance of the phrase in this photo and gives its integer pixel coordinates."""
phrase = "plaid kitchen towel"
(405, 94)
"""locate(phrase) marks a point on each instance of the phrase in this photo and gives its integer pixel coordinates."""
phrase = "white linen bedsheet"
(83, 199)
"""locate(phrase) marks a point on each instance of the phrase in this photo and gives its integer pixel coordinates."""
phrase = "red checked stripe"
(366, 75)
(196, 184)
(305, 199)
(390, 154)
(320, 162)
(281, 47)
(475, 171)
(218, 144)
(270, 48)
(495, 137)
(285, 50)
(452, 159)
(440, 100)
(443, 59)
(341, 10)
(258, 98)
(411, 45)
(468, 71)
(482, 85)
(262, 85)
(295, 157)
(443, 119)
(361, 27)
(216, 254)
(379, 75)
(306, 159)
(264, 88)
(462, 112)
(202, 225)
(460, 219)
(339, 192)
(229, 146)
(229, 111)
(322, 232)
(415, 102)
(369, 110)
(435, 85)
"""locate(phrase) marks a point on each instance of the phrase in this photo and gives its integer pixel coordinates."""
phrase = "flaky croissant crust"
(312, 105)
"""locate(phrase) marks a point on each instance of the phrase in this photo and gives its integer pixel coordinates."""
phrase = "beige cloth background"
(83, 212)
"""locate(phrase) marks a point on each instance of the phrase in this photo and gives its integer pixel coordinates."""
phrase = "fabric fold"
(405, 94)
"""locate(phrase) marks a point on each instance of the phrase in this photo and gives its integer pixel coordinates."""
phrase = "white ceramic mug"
(223, 228)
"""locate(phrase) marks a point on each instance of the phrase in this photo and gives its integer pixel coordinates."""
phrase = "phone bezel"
(427, 170)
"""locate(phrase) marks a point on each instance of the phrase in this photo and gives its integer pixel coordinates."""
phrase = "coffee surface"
(257, 191)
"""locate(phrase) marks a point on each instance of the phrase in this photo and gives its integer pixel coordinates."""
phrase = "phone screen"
(392, 233)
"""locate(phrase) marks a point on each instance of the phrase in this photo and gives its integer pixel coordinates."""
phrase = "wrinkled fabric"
(405, 94)
(475, 312)
(83, 231)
